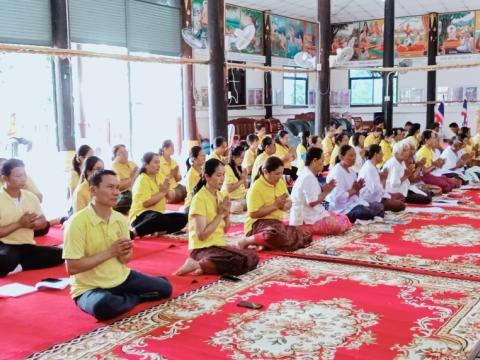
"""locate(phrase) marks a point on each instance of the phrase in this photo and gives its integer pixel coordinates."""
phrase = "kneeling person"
(97, 248)
(208, 221)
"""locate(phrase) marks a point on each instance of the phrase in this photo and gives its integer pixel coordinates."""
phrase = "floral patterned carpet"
(311, 310)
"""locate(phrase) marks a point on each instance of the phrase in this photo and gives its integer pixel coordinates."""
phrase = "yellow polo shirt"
(214, 155)
(387, 151)
(143, 189)
(427, 154)
(370, 140)
(124, 171)
(166, 168)
(192, 179)
(204, 203)
(230, 178)
(415, 140)
(73, 182)
(11, 210)
(333, 156)
(280, 152)
(87, 234)
(249, 158)
(261, 194)
(30, 186)
(259, 161)
(327, 146)
(81, 196)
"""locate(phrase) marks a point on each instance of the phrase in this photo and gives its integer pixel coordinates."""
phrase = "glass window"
(295, 89)
(366, 88)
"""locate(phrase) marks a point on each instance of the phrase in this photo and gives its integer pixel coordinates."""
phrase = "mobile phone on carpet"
(228, 277)
(250, 305)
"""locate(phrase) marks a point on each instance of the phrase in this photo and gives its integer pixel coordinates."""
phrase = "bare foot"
(189, 266)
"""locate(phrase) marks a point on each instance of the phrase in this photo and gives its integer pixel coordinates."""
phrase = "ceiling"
(351, 10)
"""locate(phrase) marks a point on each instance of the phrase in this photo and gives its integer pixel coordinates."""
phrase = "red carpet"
(446, 244)
(54, 315)
(310, 310)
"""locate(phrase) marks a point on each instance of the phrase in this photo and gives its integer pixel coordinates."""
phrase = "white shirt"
(339, 199)
(396, 170)
(438, 171)
(306, 190)
(374, 190)
(451, 160)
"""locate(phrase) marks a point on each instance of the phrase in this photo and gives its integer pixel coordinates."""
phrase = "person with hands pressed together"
(308, 198)
(149, 195)
(169, 167)
(208, 223)
(21, 219)
(374, 189)
(97, 248)
(126, 171)
(345, 198)
(267, 202)
(236, 180)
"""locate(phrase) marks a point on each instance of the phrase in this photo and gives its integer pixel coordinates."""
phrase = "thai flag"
(464, 113)
(440, 113)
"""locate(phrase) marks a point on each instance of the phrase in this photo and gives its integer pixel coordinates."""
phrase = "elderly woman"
(398, 179)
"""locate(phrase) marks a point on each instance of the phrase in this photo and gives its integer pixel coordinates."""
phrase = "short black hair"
(11, 164)
(312, 154)
(97, 177)
(251, 138)
(453, 125)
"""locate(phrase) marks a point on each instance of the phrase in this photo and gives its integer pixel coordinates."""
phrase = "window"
(366, 88)
(295, 89)
(237, 88)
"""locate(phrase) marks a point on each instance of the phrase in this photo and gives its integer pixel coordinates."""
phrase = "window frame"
(295, 78)
(372, 77)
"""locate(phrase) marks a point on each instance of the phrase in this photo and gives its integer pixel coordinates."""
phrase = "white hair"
(399, 146)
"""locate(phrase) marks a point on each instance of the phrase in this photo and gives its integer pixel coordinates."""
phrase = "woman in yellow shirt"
(302, 149)
(431, 163)
(266, 149)
(413, 135)
(386, 145)
(149, 194)
(267, 203)
(219, 148)
(21, 218)
(168, 166)
(208, 222)
(236, 181)
(286, 154)
(251, 153)
(126, 171)
(194, 174)
(81, 155)
(81, 195)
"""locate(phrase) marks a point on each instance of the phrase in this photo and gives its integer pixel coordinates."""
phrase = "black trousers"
(291, 172)
(151, 222)
(414, 198)
(30, 257)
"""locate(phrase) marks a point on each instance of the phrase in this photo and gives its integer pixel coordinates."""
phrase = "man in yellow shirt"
(97, 248)
(20, 218)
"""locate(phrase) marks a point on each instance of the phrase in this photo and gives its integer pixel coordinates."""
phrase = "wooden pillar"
(322, 107)
(63, 78)
(432, 75)
(217, 85)
(388, 61)
(267, 79)
(190, 130)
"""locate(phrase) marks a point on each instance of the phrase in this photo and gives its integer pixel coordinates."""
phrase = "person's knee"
(165, 288)
(104, 309)
(7, 264)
